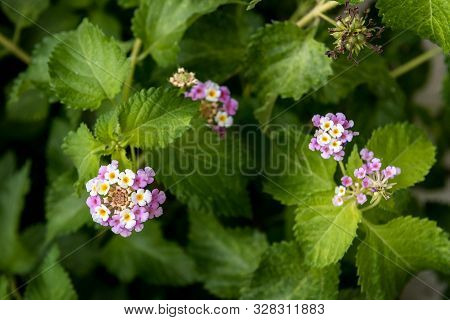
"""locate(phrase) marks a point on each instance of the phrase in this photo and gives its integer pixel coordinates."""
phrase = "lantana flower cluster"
(216, 104)
(370, 180)
(122, 200)
(332, 134)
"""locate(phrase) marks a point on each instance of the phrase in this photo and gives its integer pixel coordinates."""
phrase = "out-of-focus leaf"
(161, 36)
(52, 282)
(215, 45)
(57, 161)
(3, 288)
(14, 185)
(79, 77)
(204, 172)
(224, 256)
(392, 252)
(149, 256)
(24, 12)
(66, 212)
(282, 275)
(107, 22)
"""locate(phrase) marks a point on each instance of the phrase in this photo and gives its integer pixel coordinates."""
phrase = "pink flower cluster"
(370, 180)
(216, 104)
(332, 134)
(121, 201)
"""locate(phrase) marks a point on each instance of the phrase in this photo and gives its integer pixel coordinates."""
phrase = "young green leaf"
(297, 172)
(155, 117)
(404, 146)
(149, 256)
(52, 282)
(57, 162)
(85, 152)
(66, 212)
(393, 252)
(285, 60)
(87, 67)
(204, 172)
(107, 128)
(224, 256)
(325, 231)
(427, 18)
(283, 274)
(161, 36)
(24, 12)
(354, 161)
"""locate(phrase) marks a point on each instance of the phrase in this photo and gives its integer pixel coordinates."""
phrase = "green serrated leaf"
(161, 36)
(107, 128)
(66, 212)
(204, 172)
(149, 256)
(393, 252)
(427, 18)
(218, 57)
(24, 12)
(297, 172)
(224, 256)
(155, 117)
(53, 282)
(85, 152)
(282, 275)
(285, 60)
(404, 146)
(324, 231)
(87, 68)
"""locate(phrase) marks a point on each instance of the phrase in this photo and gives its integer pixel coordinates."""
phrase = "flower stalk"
(316, 11)
(417, 61)
(14, 49)
(133, 58)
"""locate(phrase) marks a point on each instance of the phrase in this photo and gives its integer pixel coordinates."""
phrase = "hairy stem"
(14, 290)
(341, 165)
(14, 49)
(318, 9)
(129, 81)
(373, 205)
(327, 18)
(427, 55)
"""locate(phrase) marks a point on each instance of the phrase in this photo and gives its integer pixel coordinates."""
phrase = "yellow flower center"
(126, 217)
(102, 212)
(104, 187)
(126, 180)
(112, 175)
(139, 197)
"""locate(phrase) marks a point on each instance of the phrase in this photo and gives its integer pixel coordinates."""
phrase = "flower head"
(332, 134)
(119, 199)
(370, 181)
(352, 33)
(217, 106)
(183, 79)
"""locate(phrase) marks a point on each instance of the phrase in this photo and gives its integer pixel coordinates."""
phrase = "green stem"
(341, 165)
(14, 49)
(16, 35)
(129, 81)
(373, 205)
(319, 8)
(133, 157)
(327, 18)
(397, 72)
